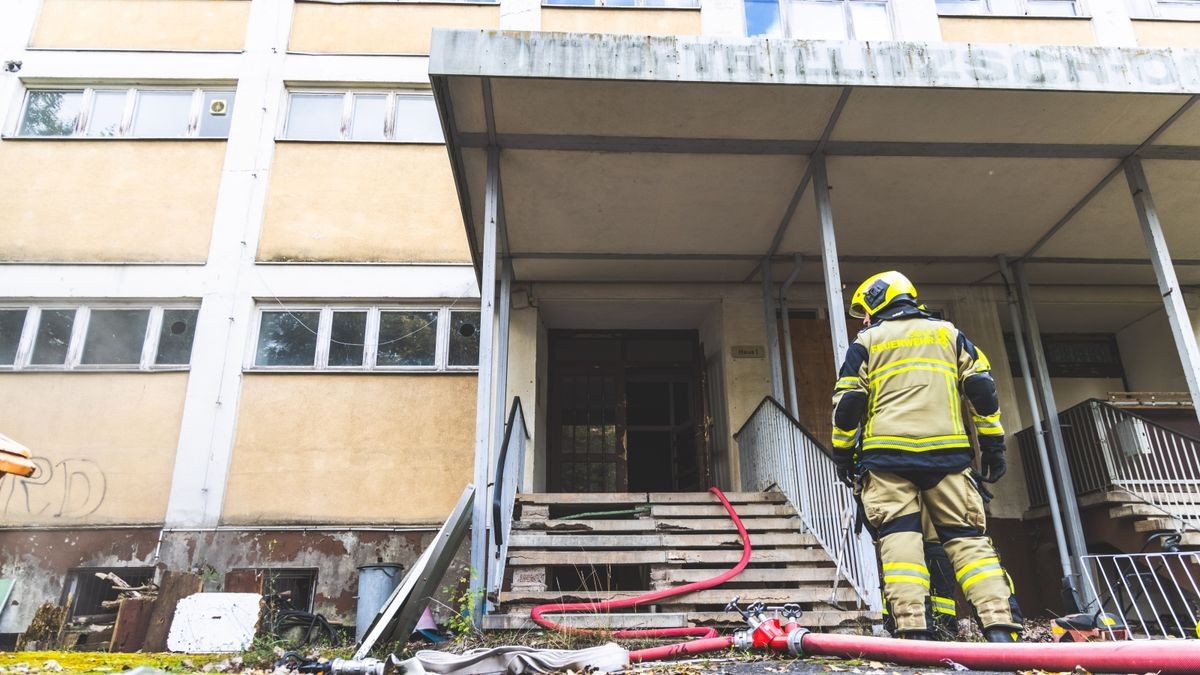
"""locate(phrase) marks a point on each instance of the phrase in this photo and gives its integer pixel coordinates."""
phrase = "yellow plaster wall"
(1020, 30)
(105, 444)
(1167, 33)
(201, 25)
(632, 20)
(381, 28)
(362, 202)
(351, 448)
(108, 201)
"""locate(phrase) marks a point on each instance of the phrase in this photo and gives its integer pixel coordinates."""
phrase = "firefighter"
(943, 609)
(899, 393)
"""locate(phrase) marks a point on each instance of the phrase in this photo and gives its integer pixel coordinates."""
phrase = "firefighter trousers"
(894, 503)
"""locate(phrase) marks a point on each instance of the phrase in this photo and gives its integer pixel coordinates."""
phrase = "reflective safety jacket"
(901, 387)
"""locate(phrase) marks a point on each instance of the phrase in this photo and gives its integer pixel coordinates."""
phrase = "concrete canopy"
(630, 158)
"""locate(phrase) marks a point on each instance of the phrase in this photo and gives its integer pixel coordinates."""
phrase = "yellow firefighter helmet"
(879, 291)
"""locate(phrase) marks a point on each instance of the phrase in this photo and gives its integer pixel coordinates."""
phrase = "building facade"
(242, 331)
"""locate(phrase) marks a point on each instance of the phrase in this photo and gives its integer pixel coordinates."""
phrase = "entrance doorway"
(625, 412)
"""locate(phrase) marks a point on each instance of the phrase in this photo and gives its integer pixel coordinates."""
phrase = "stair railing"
(509, 471)
(775, 450)
(1109, 447)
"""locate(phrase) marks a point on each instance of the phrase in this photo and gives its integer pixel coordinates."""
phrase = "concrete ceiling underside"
(605, 179)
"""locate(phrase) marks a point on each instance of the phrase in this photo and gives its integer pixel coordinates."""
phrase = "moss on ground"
(101, 663)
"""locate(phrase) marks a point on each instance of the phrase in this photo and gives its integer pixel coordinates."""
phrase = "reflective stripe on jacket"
(902, 381)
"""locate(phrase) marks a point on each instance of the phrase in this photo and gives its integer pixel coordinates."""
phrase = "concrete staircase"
(1137, 517)
(659, 540)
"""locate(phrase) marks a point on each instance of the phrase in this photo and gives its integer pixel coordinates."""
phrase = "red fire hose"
(655, 596)
(1174, 657)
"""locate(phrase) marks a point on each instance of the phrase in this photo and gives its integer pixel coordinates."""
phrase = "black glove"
(845, 469)
(992, 465)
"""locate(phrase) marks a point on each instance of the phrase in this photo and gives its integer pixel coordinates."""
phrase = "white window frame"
(125, 132)
(370, 364)
(344, 130)
(846, 14)
(1016, 8)
(79, 326)
(637, 4)
(1165, 10)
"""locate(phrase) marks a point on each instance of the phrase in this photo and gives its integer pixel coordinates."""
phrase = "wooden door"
(816, 372)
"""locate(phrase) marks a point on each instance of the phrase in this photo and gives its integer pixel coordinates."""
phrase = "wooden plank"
(175, 586)
(133, 618)
(520, 620)
(735, 498)
(558, 525)
(649, 557)
(670, 576)
(773, 596)
(521, 540)
(613, 499)
(718, 510)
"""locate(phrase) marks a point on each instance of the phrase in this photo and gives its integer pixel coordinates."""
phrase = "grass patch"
(100, 663)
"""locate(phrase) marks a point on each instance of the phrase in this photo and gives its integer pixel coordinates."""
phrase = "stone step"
(542, 540)
(709, 597)
(718, 510)
(1137, 510)
(1156, 525)
(519, 620)
(617, 500)
(663, 557)
(559, 525)
(665, 577)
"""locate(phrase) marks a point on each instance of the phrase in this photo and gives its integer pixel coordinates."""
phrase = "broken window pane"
(464, 338)
(175, 337)
(53, 337)
(11, 323)
(51, 113)
(287, 339)
(347, 338)
(162, 114)
(115, 336)
(407, 338)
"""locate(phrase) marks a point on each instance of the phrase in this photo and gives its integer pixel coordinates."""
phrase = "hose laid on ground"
(654, 596)
(1167, 657)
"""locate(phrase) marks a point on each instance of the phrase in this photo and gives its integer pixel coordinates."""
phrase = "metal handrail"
(775, 450)
(1110, 447)
(506, 481)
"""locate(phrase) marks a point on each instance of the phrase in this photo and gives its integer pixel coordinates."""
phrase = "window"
(837, 19)
(1093, 355)
(376, 338)
(88, 588)
(127, 112)
(404, 116)
(1175, 9)
(688, 4)
(1011, 7)
(42, 337)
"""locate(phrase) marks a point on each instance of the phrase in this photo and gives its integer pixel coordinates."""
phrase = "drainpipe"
(1070, 592)
(793, 407)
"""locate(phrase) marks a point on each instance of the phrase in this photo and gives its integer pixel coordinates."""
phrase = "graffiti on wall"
(68, 488)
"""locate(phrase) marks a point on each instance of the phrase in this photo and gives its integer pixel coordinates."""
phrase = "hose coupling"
(743, 639)
(795, 641)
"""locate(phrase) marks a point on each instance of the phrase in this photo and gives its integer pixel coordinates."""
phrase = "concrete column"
(829, 259)
(520, 14)
(207, 432)
(723, 18)
(772, 327)
(916, 21)
(483, 401)
(1111, 23)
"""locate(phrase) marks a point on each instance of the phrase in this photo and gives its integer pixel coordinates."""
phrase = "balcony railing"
(506, 481)
(1108, 447)
(776, 451)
